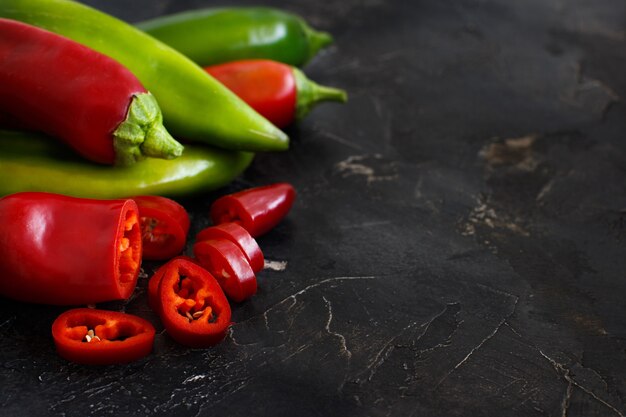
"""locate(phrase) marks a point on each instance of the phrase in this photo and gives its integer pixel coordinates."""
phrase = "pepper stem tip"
(317, 40)
(310, 94)
(142, 133)
(324, 93)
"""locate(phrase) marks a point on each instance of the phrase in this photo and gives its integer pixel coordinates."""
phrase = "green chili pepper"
(194, 105)
(33, 162)
(214, 36)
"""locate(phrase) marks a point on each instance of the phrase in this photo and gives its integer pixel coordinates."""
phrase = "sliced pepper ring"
(229, 266)
(240, 237)
(190, 303)
(98, 337)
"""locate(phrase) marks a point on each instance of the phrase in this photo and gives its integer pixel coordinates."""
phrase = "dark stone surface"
(458, 243)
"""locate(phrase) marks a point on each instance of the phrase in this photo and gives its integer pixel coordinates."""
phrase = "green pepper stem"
(316, 39)
(143, 134)
(309, 94)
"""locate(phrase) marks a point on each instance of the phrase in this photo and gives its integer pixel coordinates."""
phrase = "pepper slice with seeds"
(98, 337)
(190, 303)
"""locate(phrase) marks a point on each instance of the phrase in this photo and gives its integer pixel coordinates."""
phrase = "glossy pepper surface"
(240, 237)
(31, 162)
(63, 250)
(217, 35)
(52, 84)
(279, 92)
(195, 106)
(258, 209)
(164, 226)
(99, 337)
(229, 265)
(190, 303)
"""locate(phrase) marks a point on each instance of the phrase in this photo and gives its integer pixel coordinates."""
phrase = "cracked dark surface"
(458, 243)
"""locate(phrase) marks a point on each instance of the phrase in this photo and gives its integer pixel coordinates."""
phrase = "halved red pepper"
(257, 209)
(240, 237)
(190, 303)
(99, 337)
(164, 226)
(228, 264)
(53, 84)
(64, 250)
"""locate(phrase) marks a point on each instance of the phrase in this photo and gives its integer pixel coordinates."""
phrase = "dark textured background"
(458, 243)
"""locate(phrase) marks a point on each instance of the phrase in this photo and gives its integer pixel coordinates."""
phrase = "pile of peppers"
(195, 94)
(100, 120)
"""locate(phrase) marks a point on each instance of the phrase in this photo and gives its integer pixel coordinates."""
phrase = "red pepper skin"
(269, 87)
(64, 250)
(240, 237)
(278, 92)
(184, 290)
(52, 84)
(164, 226)
(122, 337)
(258, 209)
(153, 289)
(228, 264)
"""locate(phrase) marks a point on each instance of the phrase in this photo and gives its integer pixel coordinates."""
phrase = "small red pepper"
(64, 250)
(190, 303)
(52, 84)
(257, 209)
(228, 264)
(279, 92)
(98, 337)
(164, 226)
(240, 237)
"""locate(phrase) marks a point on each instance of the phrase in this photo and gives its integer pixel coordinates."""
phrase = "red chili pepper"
(88, 100)
(99, 337)
(190, 303)
(164, 226)
(64, 250)
(257, 209)
(279, 92)
(240, 237)
(228, 264)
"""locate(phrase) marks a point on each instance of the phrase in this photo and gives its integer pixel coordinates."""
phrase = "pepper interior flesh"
(129, 248)
(193, 301)
(155, 231)
(78, 328)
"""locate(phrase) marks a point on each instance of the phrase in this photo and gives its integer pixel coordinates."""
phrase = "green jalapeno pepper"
(194, 105)
(213, 36)
(32, 162)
